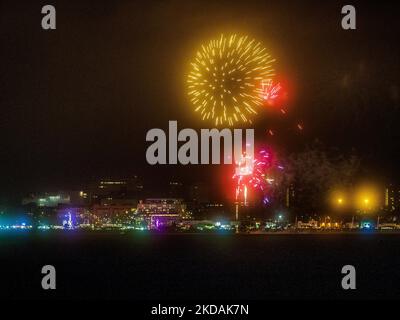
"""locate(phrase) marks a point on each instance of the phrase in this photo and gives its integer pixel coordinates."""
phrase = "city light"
(367, 199)
(338, 199)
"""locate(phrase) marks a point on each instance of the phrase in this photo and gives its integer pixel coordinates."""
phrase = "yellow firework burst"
(224, 83)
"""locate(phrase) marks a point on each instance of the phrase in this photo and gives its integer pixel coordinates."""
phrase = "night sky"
(77, 102)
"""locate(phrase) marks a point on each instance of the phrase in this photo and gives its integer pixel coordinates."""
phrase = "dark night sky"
(76, 102)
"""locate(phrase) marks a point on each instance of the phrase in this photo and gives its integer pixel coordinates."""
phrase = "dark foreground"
(195, 267)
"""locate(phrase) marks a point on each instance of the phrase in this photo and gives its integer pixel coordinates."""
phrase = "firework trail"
(243, 173)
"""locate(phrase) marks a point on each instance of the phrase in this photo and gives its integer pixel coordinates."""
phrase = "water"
(199, 266)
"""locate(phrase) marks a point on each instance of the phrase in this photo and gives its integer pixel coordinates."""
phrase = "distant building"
(70, 217)
(161, 212)
(126, 188)
(55, 199)
(175, 189)
(47, 199)
(199, 193)
(392, 198)
(289, 197)
(113, 214)
(162, 206)
(110, 201)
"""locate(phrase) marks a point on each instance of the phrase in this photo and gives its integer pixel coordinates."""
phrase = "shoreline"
(211, 233)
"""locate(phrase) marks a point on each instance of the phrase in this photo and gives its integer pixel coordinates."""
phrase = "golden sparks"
(225, 77)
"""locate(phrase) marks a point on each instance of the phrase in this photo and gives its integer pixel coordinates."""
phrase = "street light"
(367, 200)
(339, 202)
(338, 199)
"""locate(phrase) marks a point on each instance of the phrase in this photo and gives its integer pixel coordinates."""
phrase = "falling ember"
(223, 81)
(299, 126)
(283, 111)
(266, 200)
(271, 133)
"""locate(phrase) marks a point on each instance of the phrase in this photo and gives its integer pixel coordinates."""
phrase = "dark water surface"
(186, 266)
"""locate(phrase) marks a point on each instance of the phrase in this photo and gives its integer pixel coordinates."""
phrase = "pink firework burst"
(258, 177)
(262, 178)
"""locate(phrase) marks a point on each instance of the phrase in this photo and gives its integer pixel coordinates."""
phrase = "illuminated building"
(311, 224)
(162, 206)
(162, 211)
(55, 199)
(392, 198)
(48, 199)
(73, 217)
(114, 214)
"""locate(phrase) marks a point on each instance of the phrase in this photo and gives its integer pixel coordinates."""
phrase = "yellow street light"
(366, 199)
(338, 199)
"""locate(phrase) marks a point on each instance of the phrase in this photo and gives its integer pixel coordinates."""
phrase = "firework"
(258, 177)
(242, 175)
(270, 91)
(224, 82)
(265, 167)
(274, 94)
